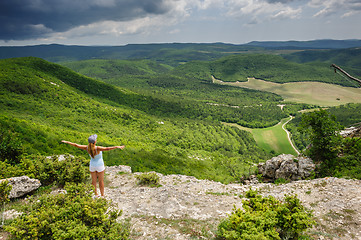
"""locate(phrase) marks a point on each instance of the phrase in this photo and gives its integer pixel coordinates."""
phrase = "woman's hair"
(91, 149)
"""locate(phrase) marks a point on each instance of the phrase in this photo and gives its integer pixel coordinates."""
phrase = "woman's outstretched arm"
(82, 147)
(110, 148)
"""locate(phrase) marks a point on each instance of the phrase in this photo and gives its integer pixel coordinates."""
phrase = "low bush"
(5, 189)
(149, 179)
(71, 215)
(10, 147)
(49, 170)
(265, 218)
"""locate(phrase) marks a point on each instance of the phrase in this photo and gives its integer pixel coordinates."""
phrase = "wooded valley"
(165, 109)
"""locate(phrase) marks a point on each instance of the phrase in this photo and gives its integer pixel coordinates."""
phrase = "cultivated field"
(316, 93)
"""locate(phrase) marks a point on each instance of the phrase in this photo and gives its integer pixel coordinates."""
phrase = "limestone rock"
(287, 170)
(22, 185)
(11, 214)
(119, 169)
(335, 202)
(252, 180)
(305, 167)
(60, 157)
(287, 166)
(351, 132)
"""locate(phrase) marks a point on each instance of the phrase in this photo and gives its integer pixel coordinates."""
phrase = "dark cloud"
(31, 19)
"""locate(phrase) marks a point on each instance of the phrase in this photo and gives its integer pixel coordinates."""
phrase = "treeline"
(347, 115)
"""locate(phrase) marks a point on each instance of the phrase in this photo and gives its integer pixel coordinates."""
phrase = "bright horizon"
(121, 22)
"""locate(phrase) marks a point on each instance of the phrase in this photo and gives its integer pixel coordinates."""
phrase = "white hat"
(92, 138)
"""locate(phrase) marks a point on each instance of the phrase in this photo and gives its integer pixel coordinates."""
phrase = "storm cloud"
(110, 22)
(32, 19)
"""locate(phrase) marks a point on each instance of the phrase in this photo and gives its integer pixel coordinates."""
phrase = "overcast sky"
(120, 22)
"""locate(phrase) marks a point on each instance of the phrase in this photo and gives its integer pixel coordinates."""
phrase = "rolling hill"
(270, 68)
(349, 59)
(43, 103)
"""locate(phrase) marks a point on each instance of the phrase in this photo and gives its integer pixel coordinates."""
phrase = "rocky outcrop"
(22, 185)
(187, 202)
(286, 166)
(184, 207)
(351, 132)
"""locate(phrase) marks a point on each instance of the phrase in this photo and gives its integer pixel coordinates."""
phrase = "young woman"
(96, 166)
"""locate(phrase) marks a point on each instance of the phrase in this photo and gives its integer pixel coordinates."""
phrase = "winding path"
(289, 135)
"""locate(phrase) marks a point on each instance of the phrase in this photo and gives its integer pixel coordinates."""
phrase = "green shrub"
(5, 189)
(71, 215)
(281, 181)
(10, 147)
(149, 179)
(7, 170)
(49, 170)
(266, 218)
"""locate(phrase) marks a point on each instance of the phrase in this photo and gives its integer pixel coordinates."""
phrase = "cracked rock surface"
(184, 207)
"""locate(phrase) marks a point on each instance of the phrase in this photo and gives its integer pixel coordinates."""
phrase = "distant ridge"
(313, 44)
(183, 51)
(169, 53)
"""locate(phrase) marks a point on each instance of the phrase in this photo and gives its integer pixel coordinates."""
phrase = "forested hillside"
(271, 68)
(164, 114)
(43, 103)
(348, 59)
(190, 88)
(344, 57)
(232, 68)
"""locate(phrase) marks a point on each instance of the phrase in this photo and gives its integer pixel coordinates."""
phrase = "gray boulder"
(287, 170)
(22, 185)
(305, 167)
(286, 166)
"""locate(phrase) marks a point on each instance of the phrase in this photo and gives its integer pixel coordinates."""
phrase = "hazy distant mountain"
(168, 53)
(314, 44)
(177, 52)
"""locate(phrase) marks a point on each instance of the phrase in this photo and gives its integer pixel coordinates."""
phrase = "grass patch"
(271, 139)
(218, 193)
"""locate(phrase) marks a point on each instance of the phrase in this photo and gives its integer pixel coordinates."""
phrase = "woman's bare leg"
(101, 182)
(94, 182)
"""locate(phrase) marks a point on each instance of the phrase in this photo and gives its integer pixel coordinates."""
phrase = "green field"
(271, 138)
(315, 93)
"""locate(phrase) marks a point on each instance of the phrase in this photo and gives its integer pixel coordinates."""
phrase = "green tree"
(325, 139)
